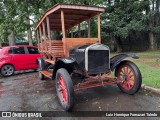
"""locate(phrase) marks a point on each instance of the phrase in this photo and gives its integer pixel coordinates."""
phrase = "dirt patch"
(156, 65)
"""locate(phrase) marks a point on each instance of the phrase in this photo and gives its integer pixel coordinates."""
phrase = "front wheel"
(64, 88)
(7, 70)
(131, 76)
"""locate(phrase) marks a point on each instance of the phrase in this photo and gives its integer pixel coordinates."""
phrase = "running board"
(46, 73)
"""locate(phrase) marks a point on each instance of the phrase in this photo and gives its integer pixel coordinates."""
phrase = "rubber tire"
(138, 77)
(10, 74)
(69, 86)
(35, 70)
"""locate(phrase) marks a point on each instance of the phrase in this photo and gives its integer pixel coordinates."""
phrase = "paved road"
(25, 92)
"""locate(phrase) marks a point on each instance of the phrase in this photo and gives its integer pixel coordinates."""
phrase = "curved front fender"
(41, 63)
(67, 63)
(114, 61)
(67, 60)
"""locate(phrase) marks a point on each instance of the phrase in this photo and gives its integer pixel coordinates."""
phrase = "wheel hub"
(62, 90)
(127, 75)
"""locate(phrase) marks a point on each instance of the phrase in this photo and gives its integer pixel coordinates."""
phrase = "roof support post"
(44, 34)
(99, 29)
(71, 32)
(40, 31)
(49, 33)
(38, 39)
(63, 32)
(63, 26)
(79, 30)
(89, 28)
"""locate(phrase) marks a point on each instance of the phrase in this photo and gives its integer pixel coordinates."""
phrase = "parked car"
(19, 57)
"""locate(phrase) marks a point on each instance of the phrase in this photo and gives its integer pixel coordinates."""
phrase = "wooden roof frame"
(63, 17)
(73, 15)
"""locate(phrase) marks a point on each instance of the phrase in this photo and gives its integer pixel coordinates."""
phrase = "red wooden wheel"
(131, 76)
(128, 74)
(62, 90)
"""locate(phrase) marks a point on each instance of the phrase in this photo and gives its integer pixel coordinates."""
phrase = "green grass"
(149, 65)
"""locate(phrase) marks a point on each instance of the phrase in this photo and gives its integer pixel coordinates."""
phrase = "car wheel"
(128, 71)
(7, 70)
(64, 88)
(35, 70)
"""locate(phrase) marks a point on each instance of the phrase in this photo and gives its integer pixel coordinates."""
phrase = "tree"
(120, 18)
(154, 22)
(11, 23)
(124, 16)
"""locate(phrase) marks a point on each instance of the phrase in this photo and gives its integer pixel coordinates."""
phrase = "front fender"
(41, 63)
(67, 60)
(67, 63)
(114, 61)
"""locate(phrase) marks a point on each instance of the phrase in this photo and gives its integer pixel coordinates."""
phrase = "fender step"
(50, 61)
(47, 73)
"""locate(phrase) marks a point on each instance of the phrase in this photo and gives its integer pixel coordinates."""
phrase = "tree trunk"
(29, 36)
(11, 39)
(157, 15)
(109, 2)
(29, 31)
(118, 44)
(153, 44)
(152, 39)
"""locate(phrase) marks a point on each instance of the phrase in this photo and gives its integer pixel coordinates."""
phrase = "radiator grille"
(98, 61)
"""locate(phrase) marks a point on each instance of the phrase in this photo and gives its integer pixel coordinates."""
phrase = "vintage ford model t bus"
(64, 56)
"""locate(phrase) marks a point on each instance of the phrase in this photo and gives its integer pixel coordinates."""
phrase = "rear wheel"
(131, 75)
(64, 88)
(7, 70)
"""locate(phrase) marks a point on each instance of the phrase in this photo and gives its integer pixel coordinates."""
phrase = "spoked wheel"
(7, 70)
(131, 76)
(64, 88)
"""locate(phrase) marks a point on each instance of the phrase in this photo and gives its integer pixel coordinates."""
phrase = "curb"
(155, 90)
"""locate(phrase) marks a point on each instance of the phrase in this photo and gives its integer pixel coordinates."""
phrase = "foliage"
(124, 16)
(120, 17)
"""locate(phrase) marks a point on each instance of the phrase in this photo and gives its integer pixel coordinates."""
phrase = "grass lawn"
(149, 65)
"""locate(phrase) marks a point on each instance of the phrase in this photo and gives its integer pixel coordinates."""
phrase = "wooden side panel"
(72, 42)
(56, 49)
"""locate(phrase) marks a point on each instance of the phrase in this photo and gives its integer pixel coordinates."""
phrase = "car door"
(33, 54)
(18, 57)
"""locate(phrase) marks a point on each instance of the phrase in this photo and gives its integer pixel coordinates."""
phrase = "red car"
(19, 57)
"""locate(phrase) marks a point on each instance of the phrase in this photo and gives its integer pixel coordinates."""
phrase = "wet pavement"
(26, 92)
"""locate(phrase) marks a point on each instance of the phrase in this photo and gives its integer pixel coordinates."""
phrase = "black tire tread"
(69, 85)
(137, 72)
(7, 75)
